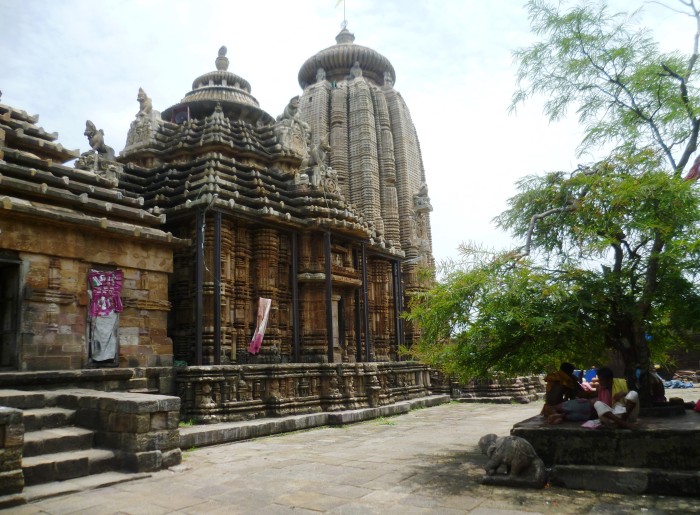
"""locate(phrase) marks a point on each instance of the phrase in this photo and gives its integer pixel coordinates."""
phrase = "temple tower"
(350, 103)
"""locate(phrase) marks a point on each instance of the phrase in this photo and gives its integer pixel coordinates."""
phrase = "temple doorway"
(9, 313)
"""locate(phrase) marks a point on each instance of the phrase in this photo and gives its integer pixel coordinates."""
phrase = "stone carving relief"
(96, 139)
(143, 128)
(419, 222)
(100, 157)
(421, 201)
(145, 104)
(291, 131)
(388, 79)
(356, 70)
(512, 462)
(320, 75)
(321, 176)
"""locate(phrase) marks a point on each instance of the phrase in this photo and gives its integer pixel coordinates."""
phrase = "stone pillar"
(266, 243)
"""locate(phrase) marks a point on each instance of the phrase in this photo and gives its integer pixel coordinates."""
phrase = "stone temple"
(251, 265)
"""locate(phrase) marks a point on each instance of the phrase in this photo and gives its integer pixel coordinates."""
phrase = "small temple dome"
(221, 86)
(338, 60)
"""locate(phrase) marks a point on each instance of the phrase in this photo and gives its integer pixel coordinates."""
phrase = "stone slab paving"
(424, 462)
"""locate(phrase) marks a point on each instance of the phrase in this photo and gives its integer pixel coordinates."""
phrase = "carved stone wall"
(239, 392)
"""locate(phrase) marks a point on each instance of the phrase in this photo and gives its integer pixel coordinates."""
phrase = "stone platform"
(660, 457)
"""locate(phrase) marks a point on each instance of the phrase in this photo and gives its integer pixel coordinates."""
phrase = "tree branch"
(525, 249)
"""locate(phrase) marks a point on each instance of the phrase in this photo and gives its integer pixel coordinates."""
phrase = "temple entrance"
(9, 313)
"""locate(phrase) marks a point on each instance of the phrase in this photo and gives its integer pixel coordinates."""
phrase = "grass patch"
(383, 421)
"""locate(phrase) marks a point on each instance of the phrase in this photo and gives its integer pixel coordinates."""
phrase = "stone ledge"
(214, 434)
(665, 443)
(626, 480)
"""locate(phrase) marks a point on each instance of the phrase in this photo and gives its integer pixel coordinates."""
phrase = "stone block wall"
(54, 298)
(142, 429)
(11, 441)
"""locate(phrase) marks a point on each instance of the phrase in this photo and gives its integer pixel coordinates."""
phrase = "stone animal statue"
(522, 465)
(145, 103)
(291, 111)
(96, 138)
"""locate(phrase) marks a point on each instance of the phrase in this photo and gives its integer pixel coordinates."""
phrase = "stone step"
(81, 484)
(47, 418)
(138, 383)
(59, 439)
(67, 465)
(627, 480)
(22, 400)
(150, 391)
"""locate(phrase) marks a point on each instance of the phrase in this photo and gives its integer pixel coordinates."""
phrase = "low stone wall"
(660, 457)
(141, 429)
(11, 441)
(227, 393)
(506, 390)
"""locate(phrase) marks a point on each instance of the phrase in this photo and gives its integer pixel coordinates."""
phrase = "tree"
(610, 252)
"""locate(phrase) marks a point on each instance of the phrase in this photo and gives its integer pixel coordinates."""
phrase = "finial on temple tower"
(222, 60)
(343, 25)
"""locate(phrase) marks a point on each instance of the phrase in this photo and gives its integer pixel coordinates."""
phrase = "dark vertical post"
(365, 301)
(199, 287)
(217, 287)
(358, 316)
(402, 335)
(341, 323)
(329, 295)
(397, 311)
(295, 298)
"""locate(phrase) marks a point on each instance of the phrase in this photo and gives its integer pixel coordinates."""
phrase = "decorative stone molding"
(241, 392)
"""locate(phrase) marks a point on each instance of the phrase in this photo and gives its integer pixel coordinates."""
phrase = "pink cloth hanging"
(263, 315)
(105, 288)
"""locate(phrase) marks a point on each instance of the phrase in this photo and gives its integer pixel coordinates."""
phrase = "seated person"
(562, 386)
(615, 410)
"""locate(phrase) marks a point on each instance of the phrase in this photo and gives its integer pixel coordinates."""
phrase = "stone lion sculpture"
(514, 454)
(96, 139)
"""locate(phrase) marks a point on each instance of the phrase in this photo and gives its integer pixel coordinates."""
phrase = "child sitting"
(618, 410)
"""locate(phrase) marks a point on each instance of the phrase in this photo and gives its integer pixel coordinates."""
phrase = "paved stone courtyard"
(422, 462)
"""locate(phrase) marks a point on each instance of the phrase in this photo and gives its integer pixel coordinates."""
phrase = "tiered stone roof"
(34, 182)
(224, 89)
(231, 155)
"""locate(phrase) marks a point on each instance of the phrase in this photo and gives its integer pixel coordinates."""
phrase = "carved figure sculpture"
(356, 70)
(291, 131)
(523, 467)
(97, 141)
(316, 162)
(291, 111)
(421, 200)
(145, 104)
(388, 79)
(320, 75)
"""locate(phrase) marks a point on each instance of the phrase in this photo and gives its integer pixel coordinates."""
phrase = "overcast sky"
(73, 60)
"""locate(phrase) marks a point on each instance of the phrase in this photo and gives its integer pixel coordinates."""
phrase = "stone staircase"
(54, 448)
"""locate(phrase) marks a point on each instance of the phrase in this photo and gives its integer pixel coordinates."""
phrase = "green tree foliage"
(624, 90)
(610, 252)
